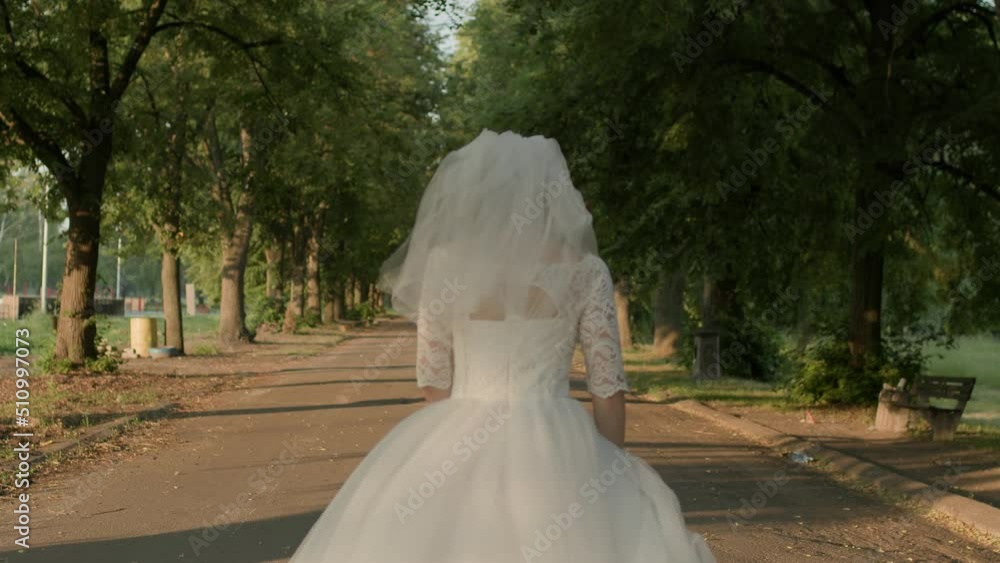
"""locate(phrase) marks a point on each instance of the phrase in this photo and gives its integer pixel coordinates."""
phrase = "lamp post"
(118, 280)
(45, 263)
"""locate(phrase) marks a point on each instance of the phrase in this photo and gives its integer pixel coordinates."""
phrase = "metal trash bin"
(706, 355)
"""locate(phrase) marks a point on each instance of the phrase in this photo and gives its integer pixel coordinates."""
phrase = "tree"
(67, 123)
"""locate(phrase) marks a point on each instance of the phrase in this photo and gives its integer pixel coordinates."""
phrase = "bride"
(502, 276)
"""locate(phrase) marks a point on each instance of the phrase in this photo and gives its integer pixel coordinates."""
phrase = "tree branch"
(920, 31)
(837, 73)
(220, 187)
(147, 29)
(245, 45)
(44, 149)
(754, 65)
(32, 73)
(100, 78)
(982, 187)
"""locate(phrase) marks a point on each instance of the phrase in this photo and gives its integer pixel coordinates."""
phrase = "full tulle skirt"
(469, 480)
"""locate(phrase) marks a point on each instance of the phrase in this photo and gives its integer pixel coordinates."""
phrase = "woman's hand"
(609, 415)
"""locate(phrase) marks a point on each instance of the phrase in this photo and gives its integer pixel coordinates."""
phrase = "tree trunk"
(232, 306)
(364, 290)
(867, 248)
(803, 323)
(622, 292)
(169, 232)
(356, 285)
(274, 282)
(293, 309)
(668, 311)
(708, 316)
(296, 275)
(76, 332)
(170, 281)
(333, 305)
(865, 329)
(312, 275)
(237, 217)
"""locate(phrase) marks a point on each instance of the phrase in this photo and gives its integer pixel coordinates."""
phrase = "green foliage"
(310, 319)
(364, 311)
(206, 350)
(264, 311)
(740, 160)
(746, 350)
(825, 374)
(107, 361)
(51, 364)
(109, 357)
(751, 351)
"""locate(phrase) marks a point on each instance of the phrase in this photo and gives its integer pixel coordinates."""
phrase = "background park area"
(799, 204)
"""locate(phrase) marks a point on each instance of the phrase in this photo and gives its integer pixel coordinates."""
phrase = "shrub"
(363, 311)
(310, 319)
(826, 376)
(50, 364)
(265, 311)
(109, 358)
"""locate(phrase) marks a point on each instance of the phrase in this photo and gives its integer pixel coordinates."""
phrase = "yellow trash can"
(142, 335)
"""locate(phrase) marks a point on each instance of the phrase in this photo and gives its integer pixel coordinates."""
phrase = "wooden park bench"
(899, 408)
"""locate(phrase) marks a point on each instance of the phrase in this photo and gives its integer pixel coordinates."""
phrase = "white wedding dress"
(510, 468)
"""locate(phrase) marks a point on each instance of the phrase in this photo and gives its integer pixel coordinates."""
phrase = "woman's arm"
(609, 415)
(434, 358)
(432, 394)
(602, 354)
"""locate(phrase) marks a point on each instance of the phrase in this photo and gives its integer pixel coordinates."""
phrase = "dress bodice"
(526, 358)
(513, 358)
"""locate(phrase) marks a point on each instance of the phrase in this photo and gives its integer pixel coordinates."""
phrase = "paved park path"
(243, 477)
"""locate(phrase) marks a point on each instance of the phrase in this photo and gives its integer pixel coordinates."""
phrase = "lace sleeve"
(434, 361)
(434, 348)
(598, 334)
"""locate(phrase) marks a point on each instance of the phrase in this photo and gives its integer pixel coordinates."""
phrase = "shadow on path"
(254, 541)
